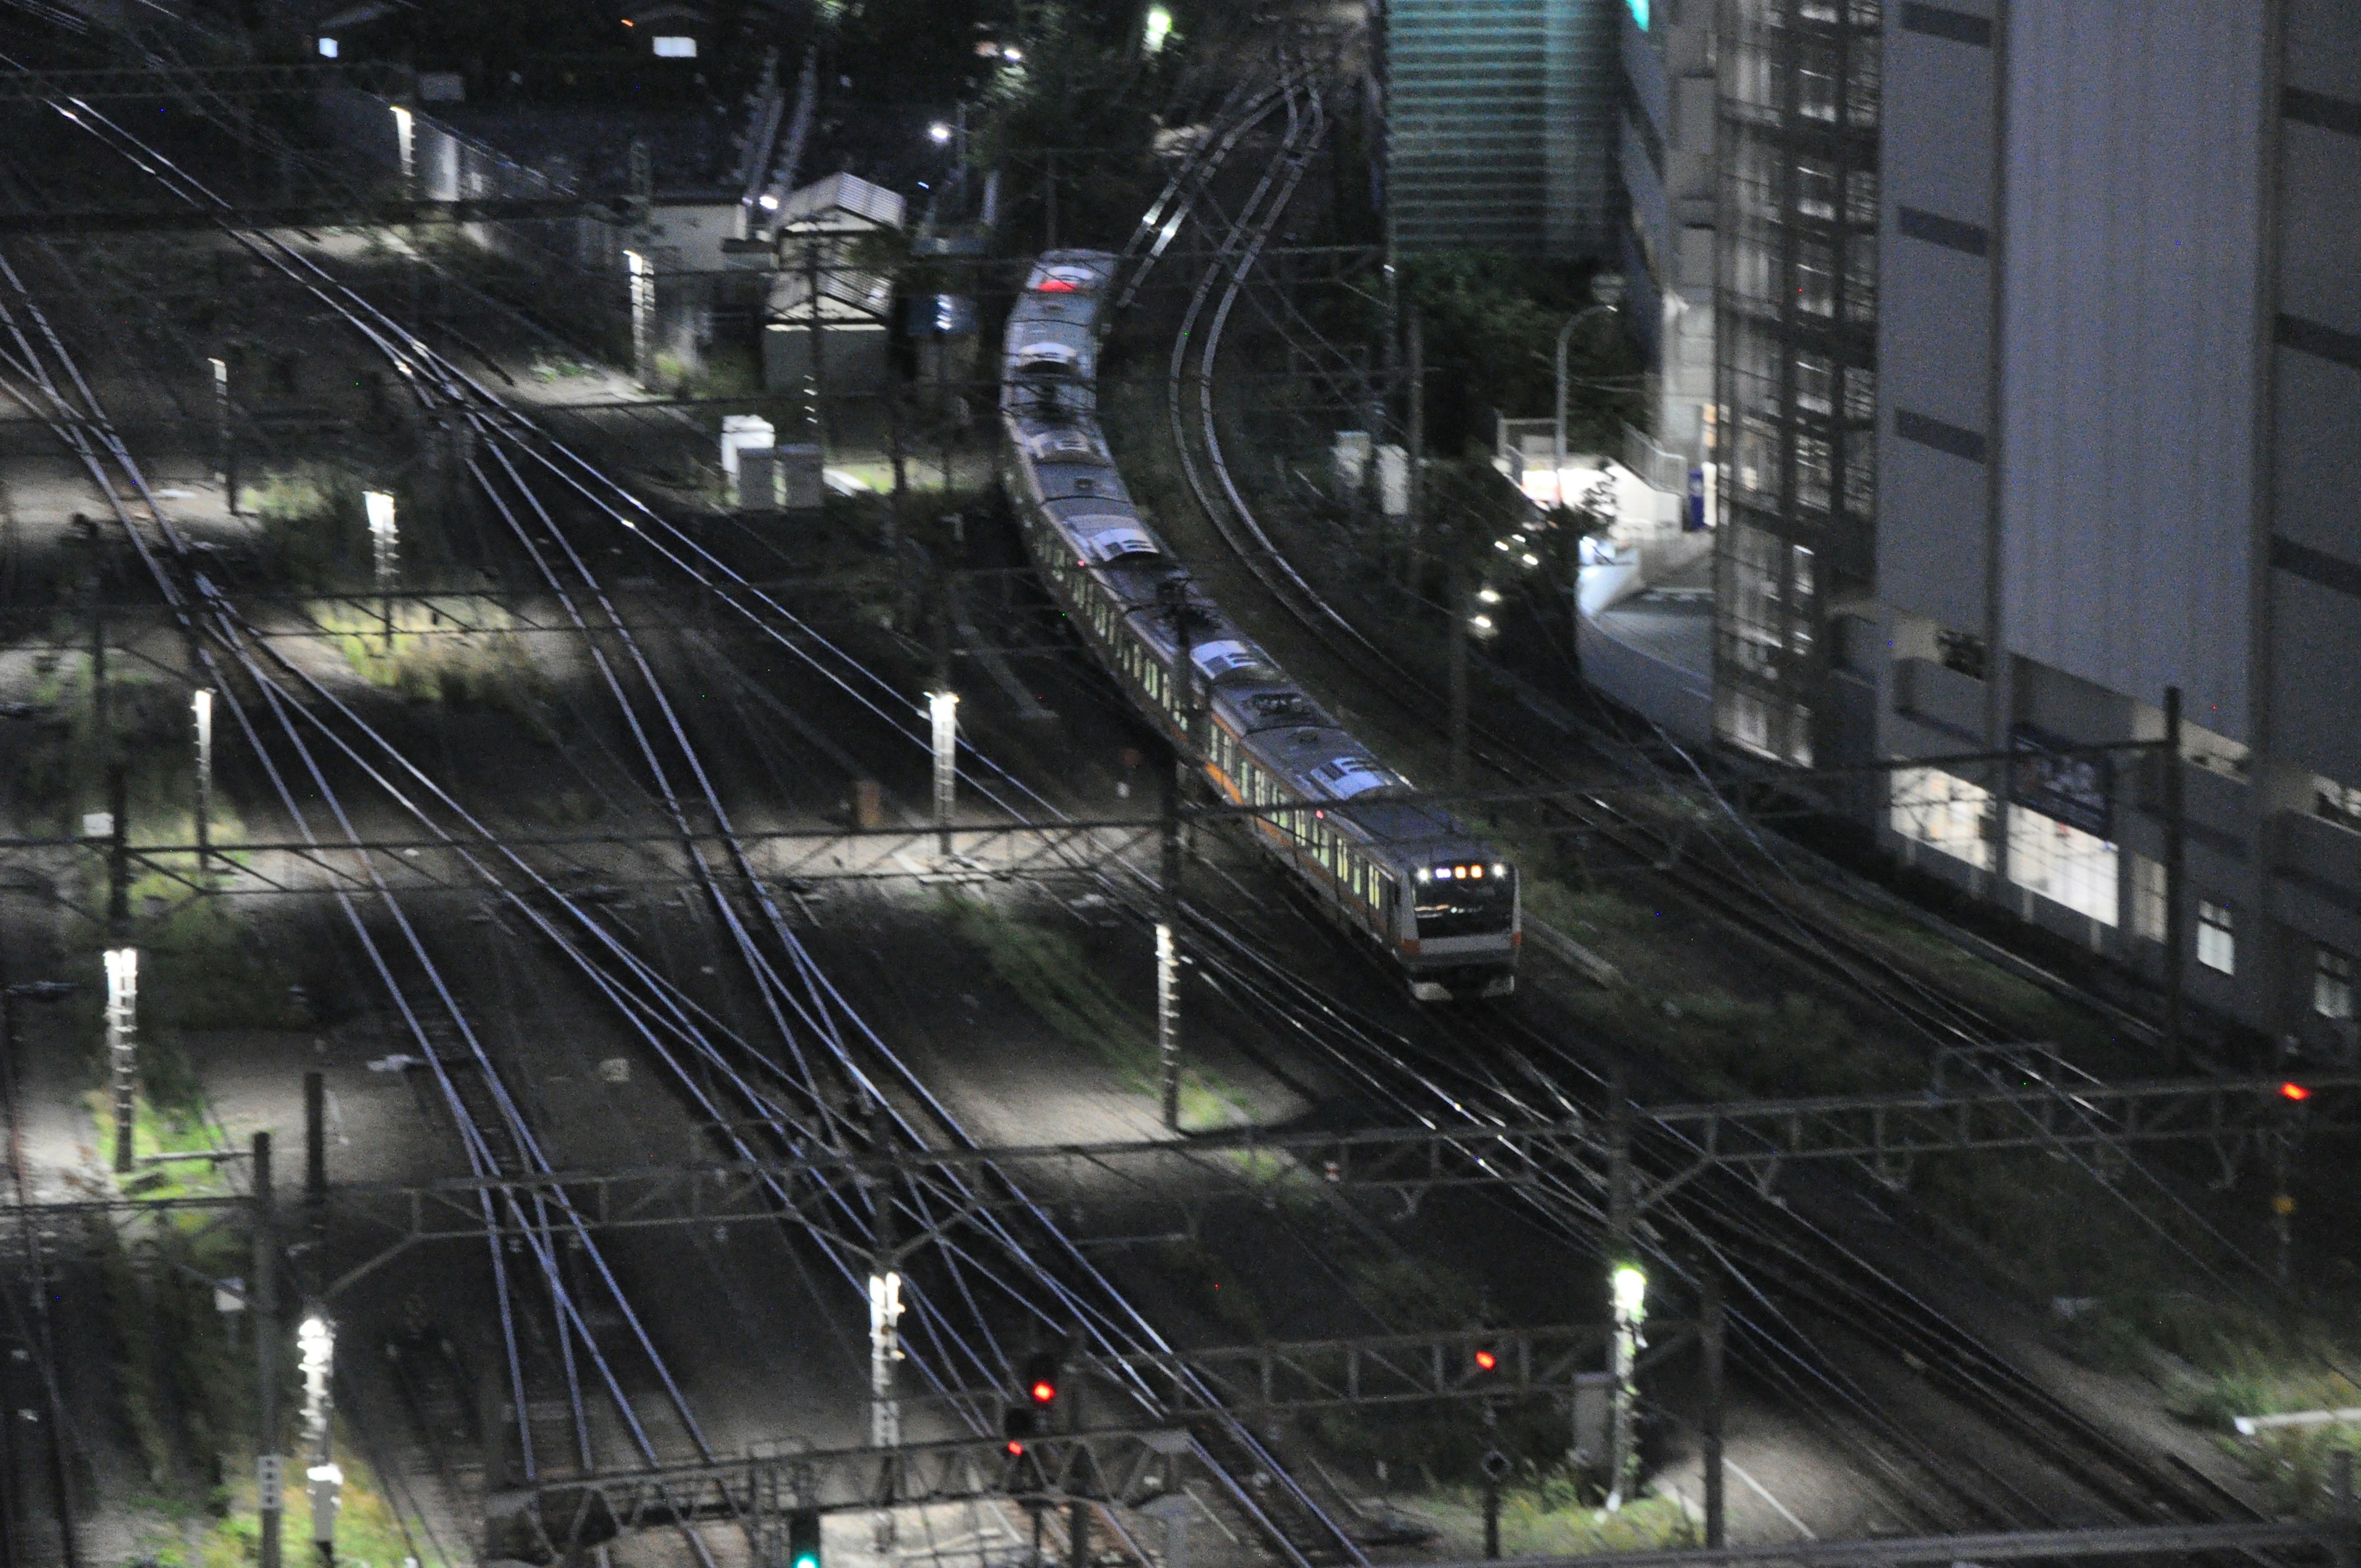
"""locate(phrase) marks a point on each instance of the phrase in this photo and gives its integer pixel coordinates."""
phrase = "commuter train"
(1437, 901)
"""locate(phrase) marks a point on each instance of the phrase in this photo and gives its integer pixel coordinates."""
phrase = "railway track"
(1784, 1259)
(792, 1099)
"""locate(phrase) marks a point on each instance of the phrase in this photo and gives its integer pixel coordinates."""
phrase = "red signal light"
(1054, 286)
(2294, 1091)
(1486, 1360)
(1016, 1449)
(1044, 1391)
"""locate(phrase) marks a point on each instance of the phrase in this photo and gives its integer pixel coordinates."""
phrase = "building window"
(1816, 83)
(1814, 463)
(1860, 278)
(2332, 984)
(674, 46)
(2147, 898)
(1815, 189)
(1861, 198)
(2063, 863)
(1944, 811)
(1816, 380)
(1814, 278)
(2217, 942)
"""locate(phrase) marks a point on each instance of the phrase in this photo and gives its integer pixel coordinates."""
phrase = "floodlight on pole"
(385, 550)
(315, 1346)
(201, 705)
(1627, 1289)
(942, 708)
(884, 1352)
(122, 1045)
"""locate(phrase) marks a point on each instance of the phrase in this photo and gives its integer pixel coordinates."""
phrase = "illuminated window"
(2217, 941)
(1943, 812)
(1639, 14)
(2332, 984)
(1814, 278)
(2063, 863)
(328, 48)
(671, 46)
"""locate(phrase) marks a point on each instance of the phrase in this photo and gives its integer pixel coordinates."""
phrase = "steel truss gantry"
(1174, 1181)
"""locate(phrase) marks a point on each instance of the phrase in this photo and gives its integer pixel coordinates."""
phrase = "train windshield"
(1474, 899)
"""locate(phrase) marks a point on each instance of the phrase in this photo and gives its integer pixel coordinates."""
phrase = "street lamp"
(940, 134)
(1607, 290)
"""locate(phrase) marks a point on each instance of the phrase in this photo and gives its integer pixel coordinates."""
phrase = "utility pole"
(1417, 443)
(884, 1349)
(1709, 1342)
(942, 703)
(1456, 593)
(1627, 1292)
(817, 379)
(269, 1465)
(225, 459)
(2176, 891)
(1078, 1516)
(1168, 927)
(1050, 198)
(1167, 958)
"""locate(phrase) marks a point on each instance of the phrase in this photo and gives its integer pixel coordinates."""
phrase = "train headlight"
(1499, 869)
(1425, 875)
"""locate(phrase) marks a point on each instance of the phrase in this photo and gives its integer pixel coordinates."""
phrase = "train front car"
(1051, 355)
(1465, 918)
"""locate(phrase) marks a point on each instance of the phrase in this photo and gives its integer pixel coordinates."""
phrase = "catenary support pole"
(270, 1466)
(2176, 891)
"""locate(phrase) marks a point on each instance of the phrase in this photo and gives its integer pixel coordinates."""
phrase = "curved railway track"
(1783, 1258)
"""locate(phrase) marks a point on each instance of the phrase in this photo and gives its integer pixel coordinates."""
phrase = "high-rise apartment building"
(1796, 378)
(1499, 126)
(2117, 424)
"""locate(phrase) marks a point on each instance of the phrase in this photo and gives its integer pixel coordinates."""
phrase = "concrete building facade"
(1666, 163)
(2118, 450)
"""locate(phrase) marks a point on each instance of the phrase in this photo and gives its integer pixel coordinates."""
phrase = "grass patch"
(1049, 970)
(459, 652)
(1553, 1515)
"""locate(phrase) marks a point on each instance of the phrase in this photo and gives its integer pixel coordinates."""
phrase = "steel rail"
(418, 352)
